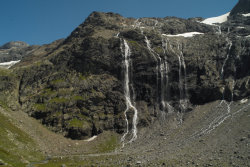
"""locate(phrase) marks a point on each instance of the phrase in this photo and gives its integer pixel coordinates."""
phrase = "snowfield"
(218, 19)
(9, 64)
(186, 35)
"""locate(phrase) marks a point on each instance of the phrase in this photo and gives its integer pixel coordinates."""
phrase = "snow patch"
(9, 64)
(247, 36)
(91, 139)
(246, 15)
(186, 35)
(243, 101)
(218, 19)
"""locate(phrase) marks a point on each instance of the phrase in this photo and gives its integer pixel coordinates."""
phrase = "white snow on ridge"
(218, 19)
(186, 35)
(246, 15)
(9, 64)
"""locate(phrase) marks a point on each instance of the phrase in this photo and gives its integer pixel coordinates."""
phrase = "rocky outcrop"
(13, 51)
(76, 86)
(14, 44)
(242, 7)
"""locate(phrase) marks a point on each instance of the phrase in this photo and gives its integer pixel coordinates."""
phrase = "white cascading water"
(222, 77)
(137, 23)
(166, 104)
(162, 68)
(182, 80)
(224, 113)
(218, 29)
(220, 119)
(182, 83)
(129, 104)
(225, 61)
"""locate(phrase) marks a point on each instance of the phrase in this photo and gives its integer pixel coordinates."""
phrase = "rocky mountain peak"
(101, 18)
(78, 88)
(242, 7)
(16, 44)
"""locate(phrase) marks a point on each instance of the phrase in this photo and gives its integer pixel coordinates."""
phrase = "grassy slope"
(16, 147)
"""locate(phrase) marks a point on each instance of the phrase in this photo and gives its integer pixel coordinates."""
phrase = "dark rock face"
(76, 86)
(242, 7)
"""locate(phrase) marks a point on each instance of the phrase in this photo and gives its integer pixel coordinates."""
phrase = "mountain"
(16, 44)
(146, 80)
(13, 51)
(242, 7)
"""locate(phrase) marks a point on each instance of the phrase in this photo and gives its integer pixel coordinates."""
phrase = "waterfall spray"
(129, 104)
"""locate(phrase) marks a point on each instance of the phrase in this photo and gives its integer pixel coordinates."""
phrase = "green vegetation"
(158, 50)
(4, 105)
(40, 107)
(5, 72)
(16, 147)
(108, 145)
(57, 81)
(76, 123)
(79, 98)
(133, 42)
(135, 45)
(58, 100)
(48, 92)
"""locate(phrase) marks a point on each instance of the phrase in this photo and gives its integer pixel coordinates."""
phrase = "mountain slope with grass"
(139, 92)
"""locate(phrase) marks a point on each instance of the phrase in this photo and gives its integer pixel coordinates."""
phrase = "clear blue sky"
(43, 21)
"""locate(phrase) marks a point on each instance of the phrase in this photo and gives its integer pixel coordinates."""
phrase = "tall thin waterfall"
(225, 61)
(161, 72)
(158, 60)
(165, 84)
(223, 108)
(161, 68)
(218, 29)
(182, 80)
(129, 104)
(222, 77)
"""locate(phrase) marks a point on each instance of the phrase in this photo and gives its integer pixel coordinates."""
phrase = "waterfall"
(166, 104)
(223, 108)
(162, 69)
(183, 102)
(225, 61)
(218, 29)
(224, 115)
(137, 23)
(222, 77)
(129, 104)
(182, 82)
(157, 60)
